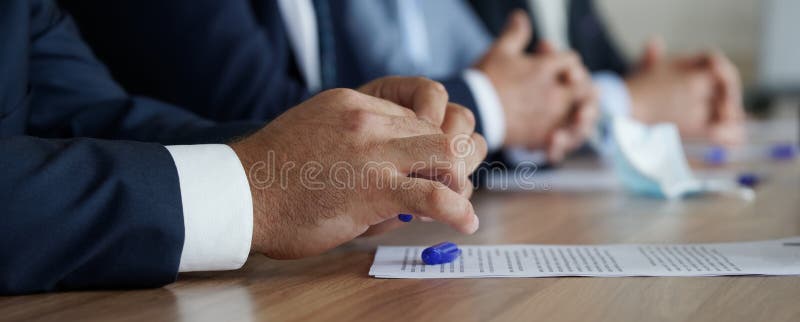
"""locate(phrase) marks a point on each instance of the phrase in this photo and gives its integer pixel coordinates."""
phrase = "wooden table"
(335, 286)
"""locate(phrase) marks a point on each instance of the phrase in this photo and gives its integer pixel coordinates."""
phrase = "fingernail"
(475, 224)
(405, 217)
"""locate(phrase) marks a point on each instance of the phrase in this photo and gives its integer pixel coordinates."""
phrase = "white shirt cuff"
(489, 107)
(614, 97)
(615, 101)
(217, 207)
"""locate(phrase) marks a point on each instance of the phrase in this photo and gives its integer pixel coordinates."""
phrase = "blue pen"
(749, 180)
(405, 217)
(783, 152)
(441, 253)
(716, 156)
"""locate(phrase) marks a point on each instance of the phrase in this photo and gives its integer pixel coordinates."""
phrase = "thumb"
(653, 53)
(427, 98)
(517, 33)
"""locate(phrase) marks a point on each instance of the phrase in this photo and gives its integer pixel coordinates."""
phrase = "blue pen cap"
(441, 253)
(748, 180)
(405, 217)
(716, 155)
(783, 152)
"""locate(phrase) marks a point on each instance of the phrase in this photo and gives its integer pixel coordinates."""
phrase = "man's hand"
(328, 169)
(425, 97)
(700, 93)
(548, 98)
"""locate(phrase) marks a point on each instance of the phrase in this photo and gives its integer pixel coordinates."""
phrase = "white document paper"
(579, 180)
(772, 257)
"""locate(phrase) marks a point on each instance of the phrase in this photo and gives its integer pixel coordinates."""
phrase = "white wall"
(687, 25)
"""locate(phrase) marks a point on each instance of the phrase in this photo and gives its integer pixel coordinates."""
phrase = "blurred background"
(689, 25)
(758, 35)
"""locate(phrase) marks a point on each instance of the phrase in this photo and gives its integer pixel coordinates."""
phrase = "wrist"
(638, 108)
(490, 108)
(252, 168)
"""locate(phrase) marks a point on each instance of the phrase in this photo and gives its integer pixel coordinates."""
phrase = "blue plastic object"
(783, 152)
(405, 217)
(716, 156)
(442, 253)
(748, 180)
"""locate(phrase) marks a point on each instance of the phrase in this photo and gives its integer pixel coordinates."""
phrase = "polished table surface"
(335, 286)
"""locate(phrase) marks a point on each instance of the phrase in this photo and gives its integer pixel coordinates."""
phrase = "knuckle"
(481, 146)
(435, 87)
(431, 89)
(359, 120)
(437, 198)
(343, 95)
(463, 113)
(419, 79)
(449, 145)
(460, 146)
(572, 56)
(548, 61)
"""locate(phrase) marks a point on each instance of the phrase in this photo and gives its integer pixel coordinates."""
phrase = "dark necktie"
(327, 44)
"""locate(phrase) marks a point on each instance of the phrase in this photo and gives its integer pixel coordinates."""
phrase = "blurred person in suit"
(210, 57)
(539, 100)
(700, 93)
(102, 189)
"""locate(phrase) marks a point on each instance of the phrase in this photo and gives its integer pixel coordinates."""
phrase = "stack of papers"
(772, 257)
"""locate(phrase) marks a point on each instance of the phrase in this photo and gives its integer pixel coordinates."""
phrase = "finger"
(727, 134)
(692, 62)
(458, 120)
(577, 134)
(446, 149)
(729, 97)
(701, 85)
(584, 120)
(354, 100)
(449, 158)
(653, 53)
(433, 199)
(427, 98)
(559, 145)
(570, 70)
(517, 33)
(466, 191)
(388, 126)
(383, 227)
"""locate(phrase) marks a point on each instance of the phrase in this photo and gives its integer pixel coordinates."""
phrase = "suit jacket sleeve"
(73, 94)
(82, 213)
(221, 59)
(460, 93)
(590, 37)
(588, 33)
(85, 213)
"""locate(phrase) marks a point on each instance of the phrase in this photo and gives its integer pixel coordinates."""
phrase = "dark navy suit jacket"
(587, 33)
(227, 60)
(81, 208)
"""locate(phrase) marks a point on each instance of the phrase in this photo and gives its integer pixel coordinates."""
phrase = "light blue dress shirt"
(443, 39)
